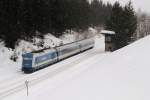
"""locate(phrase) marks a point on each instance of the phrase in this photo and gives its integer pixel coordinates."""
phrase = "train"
(40, 59)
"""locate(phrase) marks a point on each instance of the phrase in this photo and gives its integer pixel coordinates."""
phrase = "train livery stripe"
(45, 62)
(34, 64)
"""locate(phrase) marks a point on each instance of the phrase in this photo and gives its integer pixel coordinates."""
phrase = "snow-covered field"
(93, 75)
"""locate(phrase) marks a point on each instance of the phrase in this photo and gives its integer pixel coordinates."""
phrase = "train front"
(27, 62)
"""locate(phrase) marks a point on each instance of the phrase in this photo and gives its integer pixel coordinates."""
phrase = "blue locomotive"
(43, 58)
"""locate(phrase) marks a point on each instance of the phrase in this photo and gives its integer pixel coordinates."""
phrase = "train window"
(42, 58)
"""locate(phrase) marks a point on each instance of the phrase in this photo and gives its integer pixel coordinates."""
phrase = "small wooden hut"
(109, 45)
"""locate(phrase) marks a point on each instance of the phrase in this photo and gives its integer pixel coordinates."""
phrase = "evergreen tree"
(24, 19)
(82, 14)
(99, 12)
(123, 22)
(131, 20)
(96, 12)
(9, 21)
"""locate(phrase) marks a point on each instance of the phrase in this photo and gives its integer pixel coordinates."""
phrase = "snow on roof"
(107, 32)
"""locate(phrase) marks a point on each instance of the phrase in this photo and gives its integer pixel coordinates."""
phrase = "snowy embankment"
(121, 75)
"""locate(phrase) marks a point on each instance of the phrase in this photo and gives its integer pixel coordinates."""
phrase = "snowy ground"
(121, 75)
(13, 79)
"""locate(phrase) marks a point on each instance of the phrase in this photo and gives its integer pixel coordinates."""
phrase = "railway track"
(18, 84)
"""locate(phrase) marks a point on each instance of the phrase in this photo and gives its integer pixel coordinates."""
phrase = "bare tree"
(143, 25)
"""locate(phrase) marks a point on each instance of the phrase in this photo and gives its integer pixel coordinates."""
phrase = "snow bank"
(7, 66)
(51, 41)
(48, 41)
(72, 36)
(92, 30)
(69, 37)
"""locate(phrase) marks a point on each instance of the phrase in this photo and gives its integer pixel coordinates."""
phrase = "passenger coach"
(43, 58)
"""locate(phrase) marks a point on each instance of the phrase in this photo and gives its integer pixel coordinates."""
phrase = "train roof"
(42, 50)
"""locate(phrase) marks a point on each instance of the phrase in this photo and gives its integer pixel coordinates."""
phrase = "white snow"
(7, 67)
(51, 41)
(48, 41)
(68, 37)
(121, 75)
(72, 36)
(92, 30)
(107, 32)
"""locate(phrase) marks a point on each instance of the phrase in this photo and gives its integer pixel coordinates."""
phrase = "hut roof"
(107, 32)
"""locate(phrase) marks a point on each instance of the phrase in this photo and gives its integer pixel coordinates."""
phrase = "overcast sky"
(144, 5)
